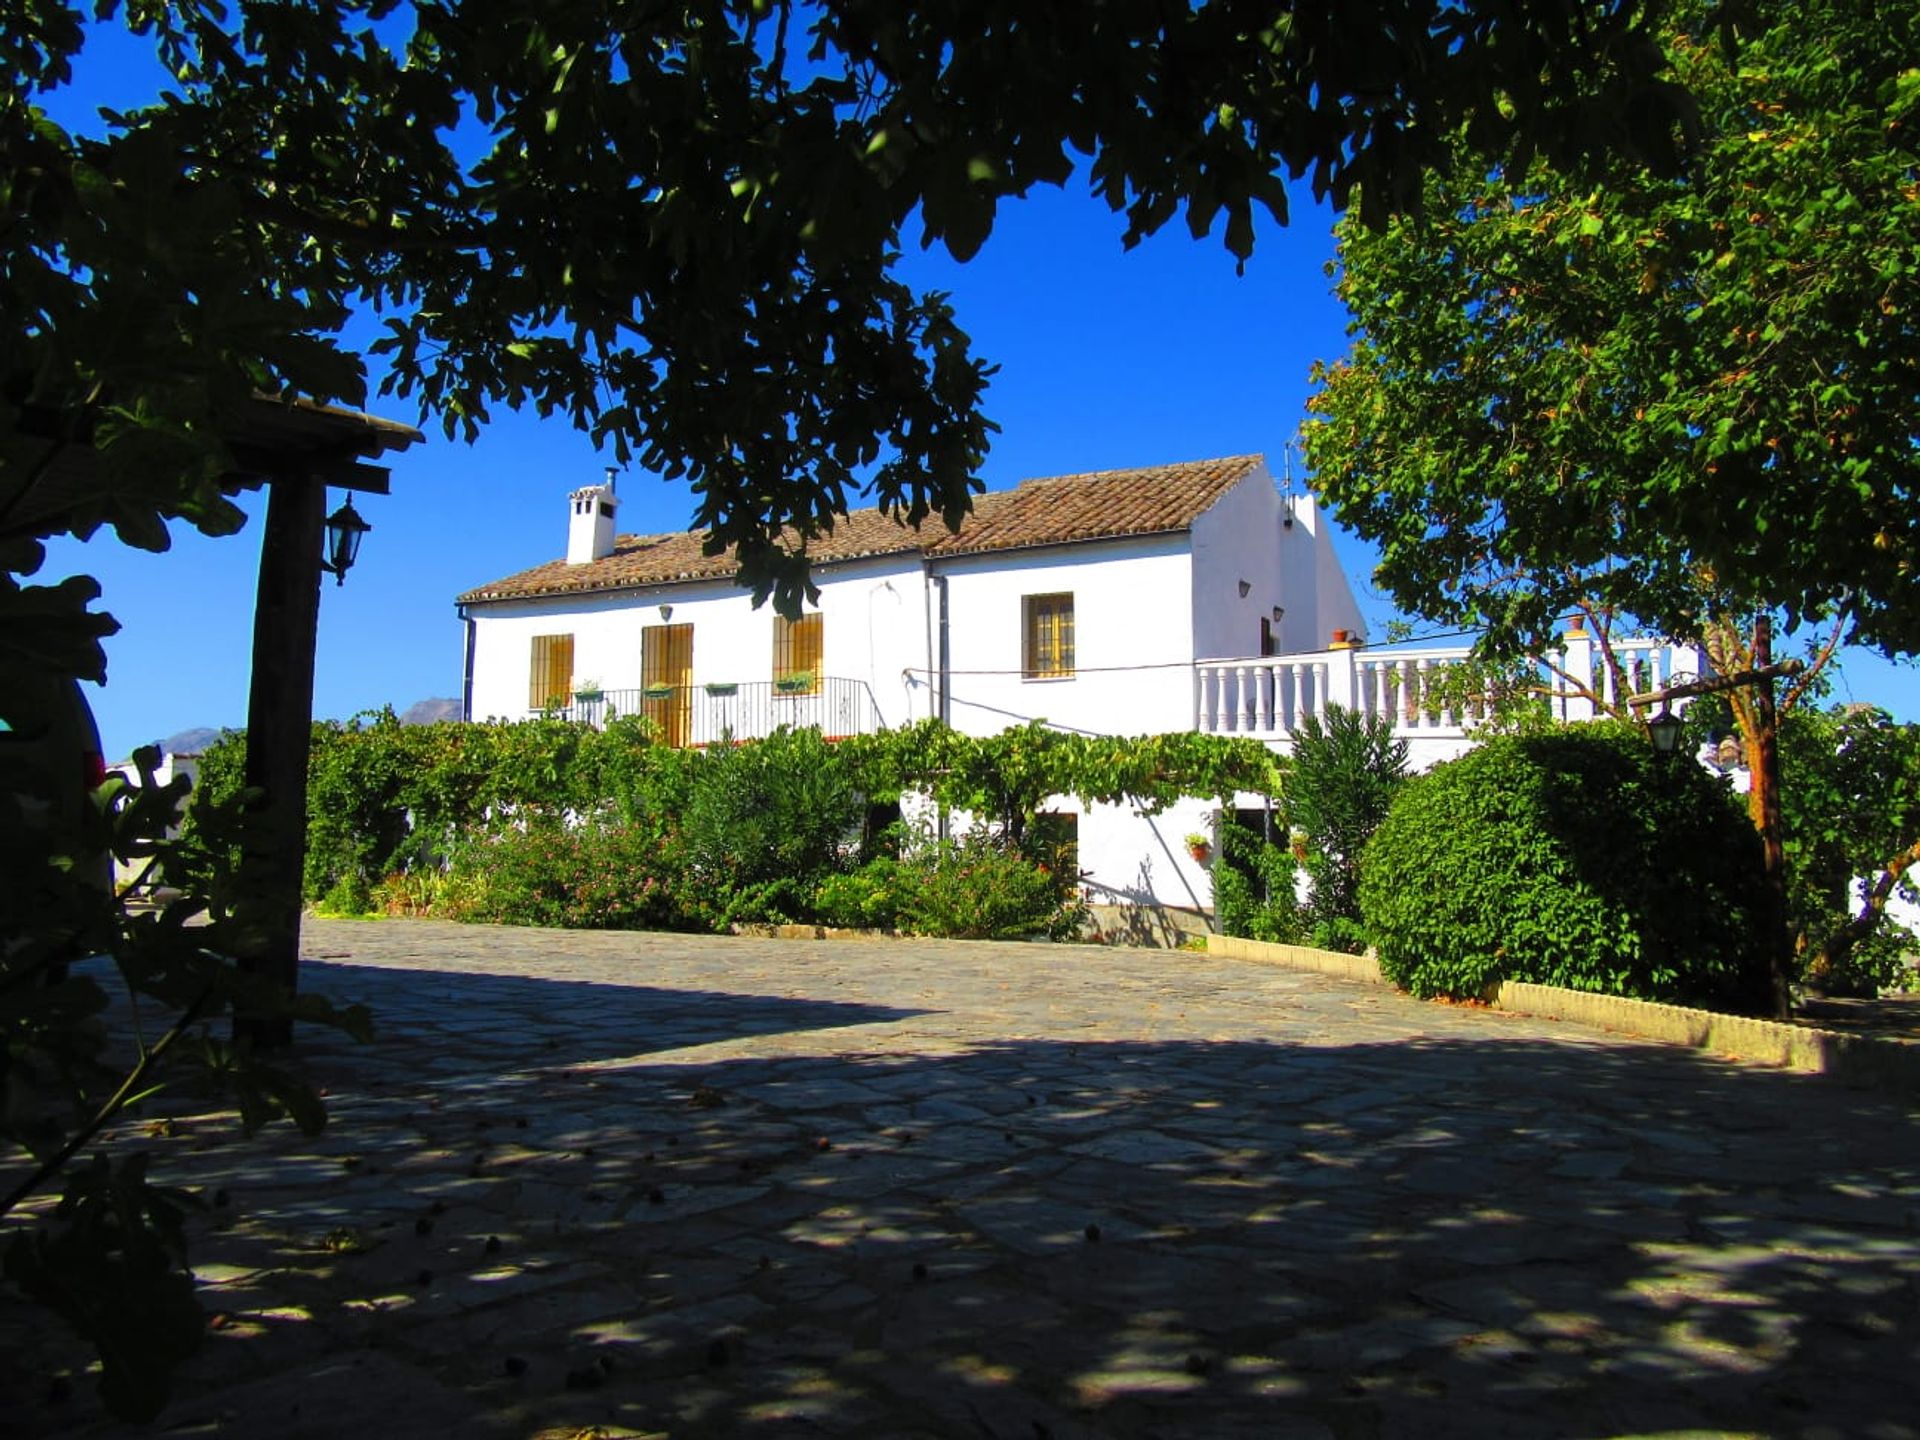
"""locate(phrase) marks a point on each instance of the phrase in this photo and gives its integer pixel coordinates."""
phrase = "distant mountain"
(196, 740)
(189, 742)
(429, 712)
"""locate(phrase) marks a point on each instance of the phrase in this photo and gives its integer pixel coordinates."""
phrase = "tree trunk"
(1763, 804)
(1833, 952)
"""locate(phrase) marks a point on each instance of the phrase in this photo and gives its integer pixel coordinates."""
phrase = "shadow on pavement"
(817, 1230)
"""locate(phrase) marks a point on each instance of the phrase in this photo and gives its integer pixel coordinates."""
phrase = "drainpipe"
(944, 658)
(466, 679)
(943, 663)
(926, 615)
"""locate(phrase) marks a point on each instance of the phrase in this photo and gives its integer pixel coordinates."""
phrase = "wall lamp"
(345, 529)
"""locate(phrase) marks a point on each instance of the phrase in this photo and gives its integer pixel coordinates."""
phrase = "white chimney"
(590, 523)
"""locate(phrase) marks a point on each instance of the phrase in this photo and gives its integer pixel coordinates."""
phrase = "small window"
(796, 654)
(550, 677)
(1049, 635)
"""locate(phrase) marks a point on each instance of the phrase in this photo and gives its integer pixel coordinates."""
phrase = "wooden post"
(286, 621)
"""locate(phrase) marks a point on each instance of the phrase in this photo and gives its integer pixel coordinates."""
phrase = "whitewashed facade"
(1174, 580)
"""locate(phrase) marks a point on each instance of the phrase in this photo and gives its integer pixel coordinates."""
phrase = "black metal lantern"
(344, 529)
(1664, 730)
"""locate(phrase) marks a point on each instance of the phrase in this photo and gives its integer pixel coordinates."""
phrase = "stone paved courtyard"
(619, 1184)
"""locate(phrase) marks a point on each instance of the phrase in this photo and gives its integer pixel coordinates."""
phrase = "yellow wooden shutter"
(798, 646)
(550, 676)
(666, 660)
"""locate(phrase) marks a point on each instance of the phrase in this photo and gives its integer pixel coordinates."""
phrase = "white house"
(1130, 602)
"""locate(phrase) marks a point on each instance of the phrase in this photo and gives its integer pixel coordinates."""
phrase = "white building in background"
(1128, 602)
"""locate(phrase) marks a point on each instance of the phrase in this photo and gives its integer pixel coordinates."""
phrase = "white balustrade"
(1270, 696)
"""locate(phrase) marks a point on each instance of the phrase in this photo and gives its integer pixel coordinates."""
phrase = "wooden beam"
(1714, 684)
(286, 622)
(337, 468)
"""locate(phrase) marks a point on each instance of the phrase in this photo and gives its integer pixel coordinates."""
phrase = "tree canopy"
(677, 226)
(1673, 399)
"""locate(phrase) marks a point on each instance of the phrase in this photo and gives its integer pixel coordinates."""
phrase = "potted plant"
(586, 691)
(1200, 847)
(799, 682)
(723, 687)
(658, 692)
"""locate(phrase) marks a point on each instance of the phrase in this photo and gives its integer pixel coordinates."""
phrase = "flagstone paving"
(648, 1184)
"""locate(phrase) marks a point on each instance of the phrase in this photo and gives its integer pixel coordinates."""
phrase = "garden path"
(620, 1184)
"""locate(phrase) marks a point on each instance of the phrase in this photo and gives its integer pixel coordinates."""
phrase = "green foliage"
(112, 1264)
(1005, 778)
(601, 874)
(386, 799)
(1346, 771)
(552, 823)
(778, 808)
(1253, 886)
(1624, 393)
(109, 1259)
(1578, 859)
(869, 898)
(739, 179)
(975, 888)
(1852, 812)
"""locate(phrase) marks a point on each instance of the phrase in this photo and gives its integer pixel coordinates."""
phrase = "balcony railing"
(744, 710)
(1270, 696)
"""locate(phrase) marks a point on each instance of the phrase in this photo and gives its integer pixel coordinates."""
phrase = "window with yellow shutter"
(797, 649)
(1048, 649)
(550, 676)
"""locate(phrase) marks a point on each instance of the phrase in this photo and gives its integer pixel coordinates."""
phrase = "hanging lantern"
(344, 530)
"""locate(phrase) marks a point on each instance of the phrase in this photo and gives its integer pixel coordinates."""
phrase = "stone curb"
(1298, 957)
(1862, 1060)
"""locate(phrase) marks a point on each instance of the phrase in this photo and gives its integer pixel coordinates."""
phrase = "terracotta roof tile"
(1060, 510)
(1066, 509)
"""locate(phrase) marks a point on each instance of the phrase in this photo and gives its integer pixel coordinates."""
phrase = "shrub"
(1253, 892)
(1346, 770)
(1579, 859)
(780, 809)
(601, 874)
(974, 889)
(869, 898)
(349, 895)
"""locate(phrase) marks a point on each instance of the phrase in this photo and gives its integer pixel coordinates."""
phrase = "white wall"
(1246, 536)
(1241, 538)
(1334, 604)
(1133, 859)
(1144, 609)
(125, 872)
(871, 632)
(1133, 626)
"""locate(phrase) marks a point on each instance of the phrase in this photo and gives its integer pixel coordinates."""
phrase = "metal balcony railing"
(704, 714)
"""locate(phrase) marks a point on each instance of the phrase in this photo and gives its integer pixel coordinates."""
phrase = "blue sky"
(1107, 359)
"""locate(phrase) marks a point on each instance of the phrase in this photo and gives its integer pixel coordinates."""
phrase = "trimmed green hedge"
(1579, 859)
